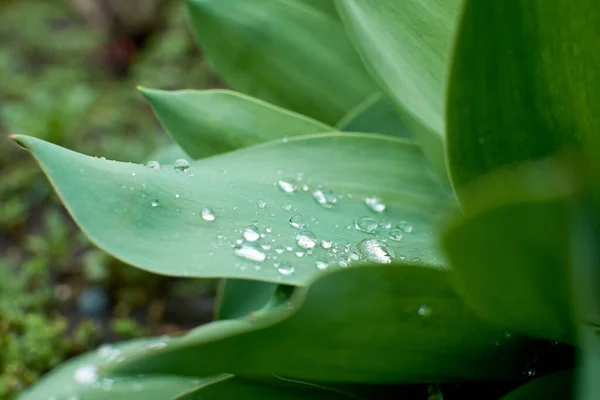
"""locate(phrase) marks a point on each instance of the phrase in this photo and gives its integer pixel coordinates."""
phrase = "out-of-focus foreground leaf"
(291, 53)
(557, 386)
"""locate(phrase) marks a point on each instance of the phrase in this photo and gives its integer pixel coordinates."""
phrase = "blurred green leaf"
(160, 219)
(511, 250)
(168, 154)
(523, 82)
(209, 122)
(557, 386)
(376, 324)
(377, 115)
(79, 378)
(290, 53)
(407, 46)
(238, 298)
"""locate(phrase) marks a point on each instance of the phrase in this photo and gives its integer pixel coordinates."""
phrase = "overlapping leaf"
(161, 220)
(557, 386)
(293, 53)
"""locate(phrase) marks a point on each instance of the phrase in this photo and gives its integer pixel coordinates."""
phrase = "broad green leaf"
(557, 386)
(237, 388)
(79, 378)
(407, 46)
(374, 324)
(377, 115)
(210, 122)
(286, 52)
(523, 83)
(238, 298)
(511, 251)
(159, 219)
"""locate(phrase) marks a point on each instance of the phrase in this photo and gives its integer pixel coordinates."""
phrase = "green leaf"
(377, 115)
(511, 251)
(238, 298)
(210, 122)
(523, 84)
(236, 388)
(375, 324)
(113, 204)
(79, 378)
(557, 386)
(407, 46)
(168, 154)
(286, 52)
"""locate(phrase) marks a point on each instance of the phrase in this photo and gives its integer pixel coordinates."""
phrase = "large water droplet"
(396, 234)
(325, 197)
(286, 186)
(306, 239)
(424, 310)
(405, 226)
(86, 375)
(376, 251)
(366, 224)
(154, 203)
(285, 269)
(153, 164)
(249, 252)
(374, 204)
(297, 221)
(251, 233)
(181, 164)
(208, 214)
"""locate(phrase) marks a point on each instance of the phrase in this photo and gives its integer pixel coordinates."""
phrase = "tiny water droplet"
(251, 233)
(181, 164)
(133, 174)
(286, 269)
(416, 260)
(286, 186)
(353, 256)
(375, 250)
(268, 229)
(208, 214)
(530, 372)
(154, 203)
(375, 204)
(261, 203)
(86, 375)
(153, 164)
(326, 244)
(297, 221)
(321, 264)
(405, 226)
(325, 197)
(366, 224)
(279, 250)
(424, 310)
(176, 195)
(284, 140)
(306, 239)
(305, 188)
(249, 252)
(287, 206)
(385, 224)
(396, 234)
(299, 254)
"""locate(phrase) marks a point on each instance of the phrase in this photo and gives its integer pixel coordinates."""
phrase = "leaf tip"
(21, 140)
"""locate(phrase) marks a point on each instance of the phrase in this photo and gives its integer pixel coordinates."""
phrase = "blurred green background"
(68, 71)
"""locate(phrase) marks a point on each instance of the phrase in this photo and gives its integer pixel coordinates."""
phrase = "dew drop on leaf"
(306, 239)
(287, 206)
(286, 269)
(374, 203)
(250, 233)
(249, 252)
(299, 254)
(405, 226)
(286, 186)
(321, 264)
(181, 164)
(297, 221)
(208, 214)
(366, 224)
(279, 250)
(376, 251)
(424, 310)
(261, 203)
(396, 234)
(153, 164)
(326, 244)
(325, 197)
(154, 203)
(86, 375)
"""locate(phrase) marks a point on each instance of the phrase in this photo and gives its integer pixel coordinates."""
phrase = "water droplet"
(374, 204)
(325, 197)
(261, 203)
(405, 226)
(424, 310)
(385, 224)
(249, 252)
(286, 206)
(366, 224)
(208, 214)
(326, 244)
(133, 174)
(266, 247)
(416, 260)
(284, 139)
(530, 372)
(181, 164)
(375, 250)
(396, 234)
(285, 269)
(352, 256)
(306, 239)
(176, 195)
(251, 233)
(321, 264)
(154, 203)
(299, 254)
(153, 164)
(86, 375)
(297, 221)
(305, 188)
(279, 250)
(286, 186)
